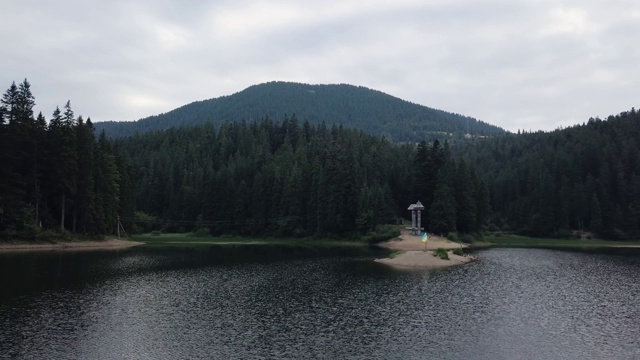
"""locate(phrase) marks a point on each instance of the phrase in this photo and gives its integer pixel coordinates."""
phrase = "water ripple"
(513, 303)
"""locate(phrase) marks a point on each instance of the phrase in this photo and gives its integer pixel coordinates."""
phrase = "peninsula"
(414, 253)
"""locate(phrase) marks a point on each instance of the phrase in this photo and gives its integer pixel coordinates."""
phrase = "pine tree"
(465, 204)
(126, 206)
(24, 102)
(442, 219)
(64, 159)
(107, 186)
(10, 104)
(633, 211)
(39, 158)
(596, 215)
(84, 200)
(11, 189)
(423, 176)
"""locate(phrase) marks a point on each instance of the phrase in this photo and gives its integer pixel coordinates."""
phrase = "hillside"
(583, 177)
(287, 178)
(364, 109)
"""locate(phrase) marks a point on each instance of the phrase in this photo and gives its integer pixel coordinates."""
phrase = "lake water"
(263, 302)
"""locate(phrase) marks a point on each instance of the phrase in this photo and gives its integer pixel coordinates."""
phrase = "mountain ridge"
(354, 106)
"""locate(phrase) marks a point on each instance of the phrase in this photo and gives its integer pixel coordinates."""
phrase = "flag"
(425, 238)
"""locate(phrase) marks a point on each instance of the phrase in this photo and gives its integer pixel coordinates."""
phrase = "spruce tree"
(596, 215)
(84, 200)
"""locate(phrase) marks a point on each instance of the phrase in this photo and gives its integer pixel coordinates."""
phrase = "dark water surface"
(262, 302)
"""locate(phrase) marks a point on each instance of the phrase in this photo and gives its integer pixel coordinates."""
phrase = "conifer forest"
(290, 177)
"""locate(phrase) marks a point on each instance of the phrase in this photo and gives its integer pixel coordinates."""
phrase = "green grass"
(184, 240)
(441, 253)
(525, 241)
(156, 238)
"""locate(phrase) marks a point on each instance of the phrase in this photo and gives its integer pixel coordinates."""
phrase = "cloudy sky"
(518, 64)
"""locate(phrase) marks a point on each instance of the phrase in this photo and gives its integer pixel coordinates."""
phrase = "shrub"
(201, 232)
(442, 254)
(144, 221)
(468, 238)
(299, 233)
(382, 233)
(458, 251)
(452, 236)
(563, 233)
(156, 233)
(52, 236)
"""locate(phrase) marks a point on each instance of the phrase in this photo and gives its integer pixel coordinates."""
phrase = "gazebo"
(415, 209)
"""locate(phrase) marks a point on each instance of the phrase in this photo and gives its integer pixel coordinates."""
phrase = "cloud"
(532, 64)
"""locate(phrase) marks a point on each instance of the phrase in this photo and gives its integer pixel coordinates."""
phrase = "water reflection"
(300, 303)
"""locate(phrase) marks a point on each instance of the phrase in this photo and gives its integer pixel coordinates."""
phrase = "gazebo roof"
(416, 206)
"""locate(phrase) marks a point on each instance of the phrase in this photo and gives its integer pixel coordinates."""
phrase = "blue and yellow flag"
(425, 238)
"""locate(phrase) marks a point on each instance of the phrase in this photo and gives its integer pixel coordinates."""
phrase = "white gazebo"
(415, 209)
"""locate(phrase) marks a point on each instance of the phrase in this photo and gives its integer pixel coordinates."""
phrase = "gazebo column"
(413, 222)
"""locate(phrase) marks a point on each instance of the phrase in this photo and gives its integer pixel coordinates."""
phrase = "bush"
(458, 251)
(382, 233)
(134, 229)
(468, 238)
(299, 233)
(156, 233)
(442, 254)
(563, 234)
(452, 236)
(143, 221)
(52, 236)
(201, 232)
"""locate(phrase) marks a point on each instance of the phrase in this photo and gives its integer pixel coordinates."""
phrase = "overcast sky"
(518, 64)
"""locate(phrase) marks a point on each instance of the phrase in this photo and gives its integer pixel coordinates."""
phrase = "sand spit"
(416, 255)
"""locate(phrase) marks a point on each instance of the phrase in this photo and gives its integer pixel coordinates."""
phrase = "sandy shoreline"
(414, 254)
(109, 244)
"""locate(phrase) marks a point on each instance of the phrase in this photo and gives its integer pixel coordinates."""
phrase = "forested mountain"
(584, 177)
(291, 178)
(287, 179)
(356, 107)
(56, 175)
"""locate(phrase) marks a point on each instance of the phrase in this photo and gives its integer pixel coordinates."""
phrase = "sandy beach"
(414, 254)
(109, 244)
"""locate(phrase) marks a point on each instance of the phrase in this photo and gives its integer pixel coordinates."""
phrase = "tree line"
(585, 178)
(296, 179)
(260, 178)
(291, 178)
(55, 174)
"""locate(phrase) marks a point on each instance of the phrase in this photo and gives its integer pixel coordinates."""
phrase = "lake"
(268, 302)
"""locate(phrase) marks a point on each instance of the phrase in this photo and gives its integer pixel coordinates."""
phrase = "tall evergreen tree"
(64, 159)
(596, 215)
(84, 199)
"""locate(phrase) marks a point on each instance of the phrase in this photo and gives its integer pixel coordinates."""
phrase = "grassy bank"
(383, 233)
(184, 240)
(525, 241)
